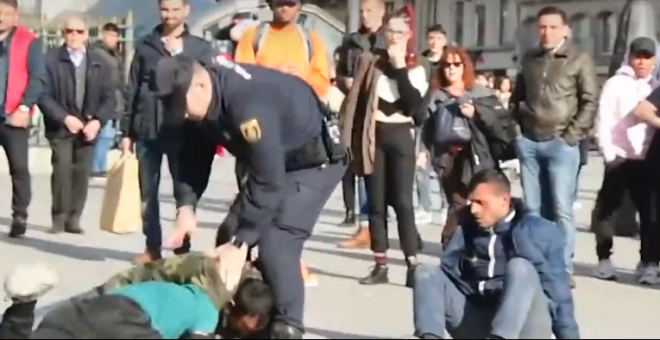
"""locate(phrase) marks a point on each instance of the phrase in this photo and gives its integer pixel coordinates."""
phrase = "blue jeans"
(103, 145)
(523, 311)
(150, 156)
(549, 178)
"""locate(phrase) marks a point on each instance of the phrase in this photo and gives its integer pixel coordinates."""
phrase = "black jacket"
(113, 59)
(59, 96)
(144, 109)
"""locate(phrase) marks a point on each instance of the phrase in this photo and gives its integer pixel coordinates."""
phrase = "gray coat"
(117, 75)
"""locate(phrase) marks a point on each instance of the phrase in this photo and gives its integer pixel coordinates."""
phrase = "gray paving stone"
(339, 307)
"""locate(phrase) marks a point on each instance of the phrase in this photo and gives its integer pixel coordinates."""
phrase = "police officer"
(276, 125)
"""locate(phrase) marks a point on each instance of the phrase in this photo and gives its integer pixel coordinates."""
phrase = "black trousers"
(15, 143)
(348, 188)
(104, 317)
(17, 321)
(72, 166)
(391, 184)
(625, 176)
(241, 174)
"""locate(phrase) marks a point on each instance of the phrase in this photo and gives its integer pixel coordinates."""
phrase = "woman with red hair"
(382, 110)
(454, 92)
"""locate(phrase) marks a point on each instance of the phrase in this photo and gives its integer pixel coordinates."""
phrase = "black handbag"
(451, 127)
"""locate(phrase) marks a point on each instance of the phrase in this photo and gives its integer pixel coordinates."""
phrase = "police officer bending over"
(276, 125)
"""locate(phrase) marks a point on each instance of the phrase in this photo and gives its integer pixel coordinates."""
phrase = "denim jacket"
(532, 238)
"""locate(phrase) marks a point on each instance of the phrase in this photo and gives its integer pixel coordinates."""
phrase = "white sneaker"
(639, 270)
(29, 282)
(605, 270)
(423, 218)
(650, 275)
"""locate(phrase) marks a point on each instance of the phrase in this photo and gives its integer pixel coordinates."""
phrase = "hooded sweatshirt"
(620, 134)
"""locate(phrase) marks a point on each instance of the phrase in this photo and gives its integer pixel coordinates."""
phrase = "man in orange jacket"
(284, 45)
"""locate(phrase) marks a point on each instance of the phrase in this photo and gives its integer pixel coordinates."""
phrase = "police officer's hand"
(186, 224)
(126, 145)
(231, 262)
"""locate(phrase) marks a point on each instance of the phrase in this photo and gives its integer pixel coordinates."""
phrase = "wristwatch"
(24, 108)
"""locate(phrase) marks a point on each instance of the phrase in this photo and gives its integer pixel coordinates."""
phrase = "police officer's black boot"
(280, 330)
(350, 219)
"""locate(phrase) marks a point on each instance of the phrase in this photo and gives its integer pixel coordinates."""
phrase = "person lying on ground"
(27, 283)
(502, 274)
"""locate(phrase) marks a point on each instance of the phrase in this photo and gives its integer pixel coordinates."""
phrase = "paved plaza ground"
(339, 307)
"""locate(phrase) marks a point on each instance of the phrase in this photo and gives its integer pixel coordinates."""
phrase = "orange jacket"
(282, 46)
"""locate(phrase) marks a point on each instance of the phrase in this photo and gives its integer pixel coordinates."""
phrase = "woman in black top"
(387, 94)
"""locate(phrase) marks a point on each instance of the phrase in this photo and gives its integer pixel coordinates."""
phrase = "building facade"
(497, 31)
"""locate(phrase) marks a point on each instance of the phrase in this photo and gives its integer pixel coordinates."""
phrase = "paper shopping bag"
(122, 208)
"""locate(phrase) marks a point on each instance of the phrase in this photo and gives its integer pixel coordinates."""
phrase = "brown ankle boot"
(361, 239)
(148, 256)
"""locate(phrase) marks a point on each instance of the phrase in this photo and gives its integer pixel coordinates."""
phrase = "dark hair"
(500, 80)
(185, 2)
(552, 10)
(111, 27)
(437, 28)
(255, 298)
(12, 3)
(493, 177)
(440, 81)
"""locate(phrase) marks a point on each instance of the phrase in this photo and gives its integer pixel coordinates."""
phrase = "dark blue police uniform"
(268, 119)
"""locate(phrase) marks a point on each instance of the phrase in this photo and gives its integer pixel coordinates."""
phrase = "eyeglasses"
(454, 65)
(72, 31)
(393, 32)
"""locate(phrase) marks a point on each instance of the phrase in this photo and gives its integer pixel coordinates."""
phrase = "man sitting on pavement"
(502, 274)
(191, 282)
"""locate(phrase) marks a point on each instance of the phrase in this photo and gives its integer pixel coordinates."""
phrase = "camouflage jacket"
(195, 268)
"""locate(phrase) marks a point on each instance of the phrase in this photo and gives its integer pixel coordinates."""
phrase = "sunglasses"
(455, 65)
(72, 31)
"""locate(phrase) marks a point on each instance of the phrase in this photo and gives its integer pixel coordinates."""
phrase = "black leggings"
(391, 183)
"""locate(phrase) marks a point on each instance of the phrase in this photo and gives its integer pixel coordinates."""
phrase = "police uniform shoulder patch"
(251, 130)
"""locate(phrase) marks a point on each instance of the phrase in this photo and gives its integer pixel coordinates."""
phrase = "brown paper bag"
(122, 208)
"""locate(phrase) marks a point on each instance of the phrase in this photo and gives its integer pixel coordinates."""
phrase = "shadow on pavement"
(624, 276)
(71, 251)
(6, 221)
(356, 256)
(334, 237)
(339, 335)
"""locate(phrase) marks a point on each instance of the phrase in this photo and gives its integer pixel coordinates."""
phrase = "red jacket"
(18, 75)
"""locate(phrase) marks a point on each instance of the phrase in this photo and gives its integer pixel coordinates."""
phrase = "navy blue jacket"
(288, 114)
(526, 236)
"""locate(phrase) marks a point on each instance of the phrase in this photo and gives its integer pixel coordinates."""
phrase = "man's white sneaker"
(639, 270)
(29, 282)
(650, 275)
(605, 270)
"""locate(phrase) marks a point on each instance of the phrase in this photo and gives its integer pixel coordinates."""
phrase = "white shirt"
(77, 56)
